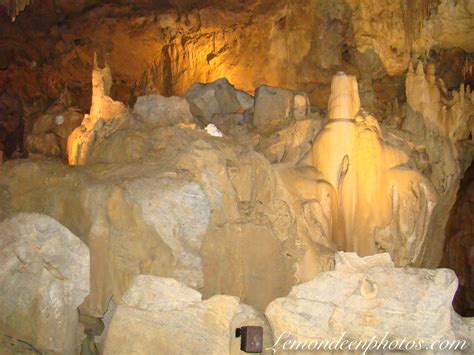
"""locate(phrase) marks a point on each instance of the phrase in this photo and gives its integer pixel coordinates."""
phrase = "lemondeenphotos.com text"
(286, 343)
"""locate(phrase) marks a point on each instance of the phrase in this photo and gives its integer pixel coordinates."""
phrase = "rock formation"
(372, 187)
(14, 7)
(368, 297)
(182, 204)
(275, 107)
(217, 102)
(106, 116)
(160, 315)
(450, 114)
(159, 111)
(165, 46)
(51, 131)
(218, 192)
(44, 277)
(435, 133)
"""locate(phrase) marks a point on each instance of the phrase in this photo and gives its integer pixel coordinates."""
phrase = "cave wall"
(459, 245)
(165, 46)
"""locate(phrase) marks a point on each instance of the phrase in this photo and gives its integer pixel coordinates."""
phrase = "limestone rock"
(159, 111)
(446, 113)
(290, 144)
(106, 116)
(381, 204)
(160, 315)
(246, 101)
(275, 107)
(169, 202)
(369, 301)
(433, 134)
(180, 213)
(51, 130)
(351, 262)
(217, 40)
(44, 277)
(218, 97)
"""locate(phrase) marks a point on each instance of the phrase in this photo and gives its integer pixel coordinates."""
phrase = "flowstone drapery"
(381, 204)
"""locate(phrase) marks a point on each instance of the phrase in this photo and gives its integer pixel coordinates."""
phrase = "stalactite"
(14, 7)
(414, 14)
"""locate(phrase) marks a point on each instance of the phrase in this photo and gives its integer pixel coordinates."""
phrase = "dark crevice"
(459, 245)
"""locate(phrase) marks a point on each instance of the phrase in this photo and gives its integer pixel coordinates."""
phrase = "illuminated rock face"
(44, 277)
(380, 205)
(106, 116)
(162, 316)
(450, 114)
(368, 297)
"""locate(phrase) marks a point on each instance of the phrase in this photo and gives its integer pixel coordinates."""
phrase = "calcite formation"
(436, 130)
(44, 277)
(368, 297)
(51, 131)
(14, 7)
(449, 113)
(369, 182)
(160, 315)
(106, 116)
(163, 47)
(223, 193)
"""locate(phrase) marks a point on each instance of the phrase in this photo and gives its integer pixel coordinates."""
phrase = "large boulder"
(44, 277)
(276, 107)
(163, 316)
(159, 111)
(218, 97)
(368, 297)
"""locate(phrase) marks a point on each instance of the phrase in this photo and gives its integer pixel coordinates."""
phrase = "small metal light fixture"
(251, 339)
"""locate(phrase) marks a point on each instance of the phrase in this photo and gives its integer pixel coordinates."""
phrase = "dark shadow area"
(459, 247)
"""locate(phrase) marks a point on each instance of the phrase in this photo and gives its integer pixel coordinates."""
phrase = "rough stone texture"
(431, 134)
(291, 144)
(165, 46)
(216, 98)
(44, 277)
(160, 315)
(51, 131)
(180, 213)
(370, 297)
(447, 113)
(106, 116)
(169, 201)
(159, 111)
(276, 107)
(14, 7)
